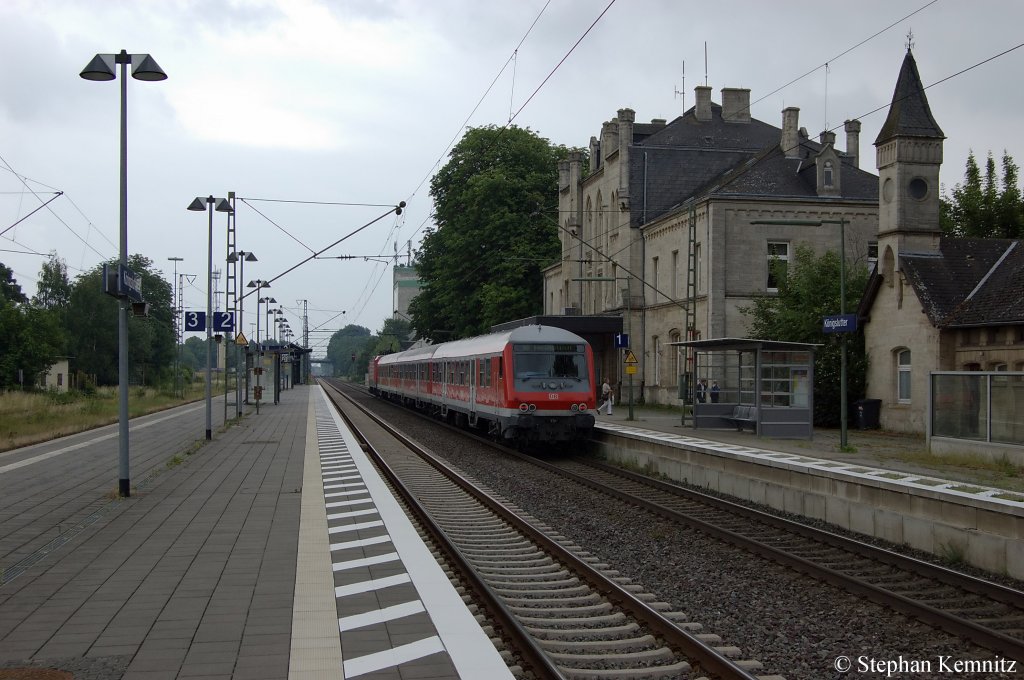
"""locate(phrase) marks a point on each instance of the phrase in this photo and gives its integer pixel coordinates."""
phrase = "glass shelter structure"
(764, 385)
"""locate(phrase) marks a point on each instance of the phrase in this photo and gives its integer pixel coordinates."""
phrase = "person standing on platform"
(714, 391)
(702, 390)
(606, 395)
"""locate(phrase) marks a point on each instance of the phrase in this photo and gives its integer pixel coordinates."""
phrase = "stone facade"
(934, 303)
(661, 199)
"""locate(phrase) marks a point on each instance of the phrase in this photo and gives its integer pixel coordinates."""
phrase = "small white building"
(57, 377)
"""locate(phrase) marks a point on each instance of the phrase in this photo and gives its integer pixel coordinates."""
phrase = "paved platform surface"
(220, 565)
(872, 448)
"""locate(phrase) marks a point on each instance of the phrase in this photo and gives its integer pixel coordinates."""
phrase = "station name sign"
(122, 283)
(840, 323)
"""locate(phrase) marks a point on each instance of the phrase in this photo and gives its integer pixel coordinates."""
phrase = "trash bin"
(867, 411)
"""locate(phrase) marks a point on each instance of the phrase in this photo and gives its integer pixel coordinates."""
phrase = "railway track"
(564, 614)
(985, 613)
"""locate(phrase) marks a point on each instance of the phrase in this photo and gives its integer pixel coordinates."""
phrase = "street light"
(209, 204)
(102, 68)
(259, 348)
(842, 308)
(241, 257)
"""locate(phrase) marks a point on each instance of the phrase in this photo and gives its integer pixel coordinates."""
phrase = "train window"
(550, 361)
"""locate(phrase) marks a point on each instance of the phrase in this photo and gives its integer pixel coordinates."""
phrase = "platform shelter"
(766, 386)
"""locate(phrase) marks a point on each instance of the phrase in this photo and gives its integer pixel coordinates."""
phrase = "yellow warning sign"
(631, 358)
(240, 339)
(630, 369)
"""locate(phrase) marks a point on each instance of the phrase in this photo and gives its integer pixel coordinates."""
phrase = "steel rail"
(985, 637)
(702, 655)
(533, 657)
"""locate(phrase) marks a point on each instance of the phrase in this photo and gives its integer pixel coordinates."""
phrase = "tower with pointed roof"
(908, 157)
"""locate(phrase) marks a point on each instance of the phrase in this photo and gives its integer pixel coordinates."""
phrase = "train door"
(473, 373)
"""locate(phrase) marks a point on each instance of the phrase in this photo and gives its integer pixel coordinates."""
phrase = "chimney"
(702, 109)
(853, 141)
(735, 105)
(790, 132)
(827, 137)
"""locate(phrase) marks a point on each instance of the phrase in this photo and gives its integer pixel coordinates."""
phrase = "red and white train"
(529, 384)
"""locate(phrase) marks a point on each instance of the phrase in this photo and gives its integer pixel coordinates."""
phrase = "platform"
(236, 561)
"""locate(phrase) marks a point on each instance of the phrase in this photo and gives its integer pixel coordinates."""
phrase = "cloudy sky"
(300, 106)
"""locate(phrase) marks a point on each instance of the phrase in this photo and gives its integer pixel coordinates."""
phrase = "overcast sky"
(358, 102)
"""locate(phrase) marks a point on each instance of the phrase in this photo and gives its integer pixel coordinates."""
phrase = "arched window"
(828, 174)
(903, 376)
(656, 351)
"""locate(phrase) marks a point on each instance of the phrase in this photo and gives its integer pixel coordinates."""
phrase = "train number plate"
(552, 396)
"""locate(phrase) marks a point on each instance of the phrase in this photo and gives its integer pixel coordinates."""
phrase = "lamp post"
(241, 257)
(102, 68)
(259, 348)
(629, 311)
(209, 204)
(843, 429)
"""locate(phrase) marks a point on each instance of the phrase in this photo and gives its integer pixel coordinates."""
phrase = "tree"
(985, 207)
(807, 293)
(481, 263)
(30, 338)
(54, 289)
(345, 344)
(92, 327)
(9, 288)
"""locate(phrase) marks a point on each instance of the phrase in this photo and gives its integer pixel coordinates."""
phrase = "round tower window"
(887, 190)
(918, 188)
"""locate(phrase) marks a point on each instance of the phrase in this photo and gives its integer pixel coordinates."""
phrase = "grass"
(32, 417)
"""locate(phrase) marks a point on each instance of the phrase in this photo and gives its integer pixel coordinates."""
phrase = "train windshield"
(550, 361)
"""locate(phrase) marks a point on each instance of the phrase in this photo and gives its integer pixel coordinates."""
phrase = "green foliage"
(985, 207)
(343, 344)
(92, 327)
(9, 288)
(481, 264)
(29, 343)
(807, 293)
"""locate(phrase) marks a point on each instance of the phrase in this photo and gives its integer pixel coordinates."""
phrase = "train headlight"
(583, 407)
(575, 407)
(524, 407)
(533, 408)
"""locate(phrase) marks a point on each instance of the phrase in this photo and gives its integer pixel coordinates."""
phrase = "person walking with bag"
(606, 396)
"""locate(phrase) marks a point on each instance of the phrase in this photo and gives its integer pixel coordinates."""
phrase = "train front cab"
(551, 384)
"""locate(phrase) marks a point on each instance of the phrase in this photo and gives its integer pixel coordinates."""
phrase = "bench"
(741, 415)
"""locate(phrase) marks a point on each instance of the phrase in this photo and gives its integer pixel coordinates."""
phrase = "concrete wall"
(938, 519)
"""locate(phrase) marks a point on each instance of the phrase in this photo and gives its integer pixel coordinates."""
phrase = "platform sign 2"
(223, 322)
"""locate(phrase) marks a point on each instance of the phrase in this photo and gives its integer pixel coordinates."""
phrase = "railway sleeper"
(587, 599)
(570, 634)
(534, 591)
(600, 645)
(553, 612)
(652, 672)
(505, 550)
(541, 560)
(626, 659)
(534, 582)
(549, 568)
(581, 622)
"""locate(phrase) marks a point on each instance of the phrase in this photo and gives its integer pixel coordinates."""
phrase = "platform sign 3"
(195, 321)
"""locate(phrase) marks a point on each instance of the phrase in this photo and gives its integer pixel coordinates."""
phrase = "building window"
(828, 181)
(656, 349)
(697, 267)
(654, 277)
(778, 264)
(872, 255)
(903, 376)
(675, 275)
